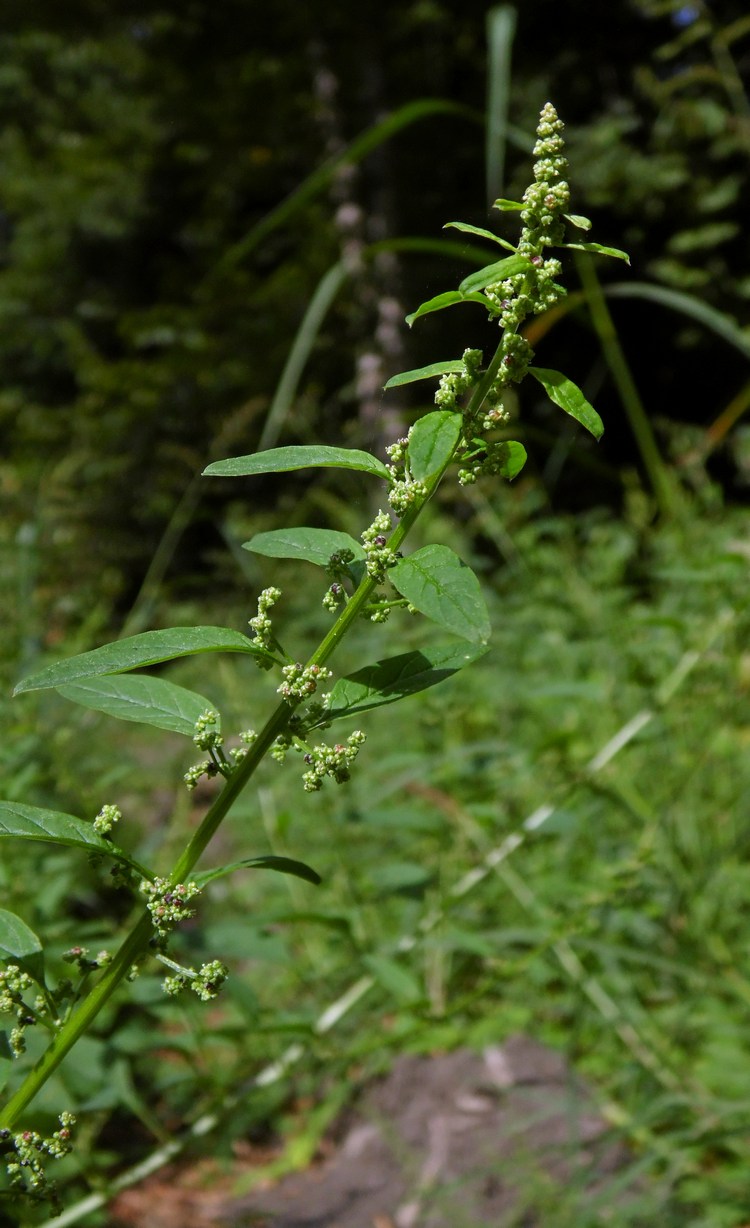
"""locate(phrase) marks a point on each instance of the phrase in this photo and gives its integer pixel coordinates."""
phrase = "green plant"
(370, 578)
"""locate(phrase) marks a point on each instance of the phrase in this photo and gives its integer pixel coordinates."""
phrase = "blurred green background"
(213, 219)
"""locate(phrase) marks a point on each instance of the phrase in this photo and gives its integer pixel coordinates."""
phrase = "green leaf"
(20, 945)
(313, 545)
(282, 460)
(54, 827)
(137, 651)
(504, 205)
(598, 250)
(454, 367)
(514, 459)
(577, 219)
(432, 442)
(148, 701)
(282, 865)
(444, 589)
(394, 678)
(448, 299)
(493, 273)
(482, 234)
(569, 397)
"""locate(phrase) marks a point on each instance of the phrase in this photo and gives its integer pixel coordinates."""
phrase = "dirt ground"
(504, 1139)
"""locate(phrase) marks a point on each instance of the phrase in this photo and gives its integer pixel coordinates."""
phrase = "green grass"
(617, 929)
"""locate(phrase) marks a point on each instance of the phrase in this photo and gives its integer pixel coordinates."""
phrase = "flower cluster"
(301, 681)
(168, 904)
(207, 735)
(205, 983)
(80, 956)
(106, 819)
(379, 557)
(24, 1152)
(14, 983)
(334, 761)
(247, 737)
(261, 624)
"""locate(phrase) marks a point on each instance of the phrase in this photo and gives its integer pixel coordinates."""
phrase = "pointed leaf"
(482, 234)
(148, 701)
(577, 219)
(569, 397)
(385, 682)
(444, 589)
(54, 827)
(454, 367)
(493, 273)
(432, 442)
(313, 545)
(20, 945)
(505, 205)
(282, 460)
(137, 651)
(282, 865)
(599, 250)
(448, 299)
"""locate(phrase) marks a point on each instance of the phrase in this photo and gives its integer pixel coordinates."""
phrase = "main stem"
(137, 941)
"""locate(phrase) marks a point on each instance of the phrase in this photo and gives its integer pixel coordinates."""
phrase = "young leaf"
(20, 945)
(53, 827)
(394, 678)
(447, 300)
(281, 460)
(514, 459)
(505, 205)
(577, 219)
(432, 441)
(313, 545)
(569, 397)
(482, 234)
(493, 273)
(599, 250)
(137, 651)
(283, 865)
(436, 368)
(444, 589)
(149, 701)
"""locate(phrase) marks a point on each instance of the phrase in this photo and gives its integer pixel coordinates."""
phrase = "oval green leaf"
(394, 678)
(432, 442)
(439, 585)
(482, 234)
(282, 460)
(137, 651)
(563, 392)
(20, 945)
(454, 367)
(313, 545)
(148, 701)
(493, 273)
(448, 299)
(282, 865)
(54, 827)
(578, 220)
(598, 250)
(513, 460)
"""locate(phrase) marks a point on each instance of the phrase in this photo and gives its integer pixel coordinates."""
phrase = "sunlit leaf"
(20, 945)
(147, 701)
(454, 367)
(282, 460)
(432, 442)
(480, 233)
(394, 678)
(448, 299)
(493, 273)
(569, 397)
(577, 219)
(54, 827)
(506, 205)
(599, 250)
(138, 651)
(312, 545)
(439, 585)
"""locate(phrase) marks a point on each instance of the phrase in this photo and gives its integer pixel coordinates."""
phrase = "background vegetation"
(203, 218)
